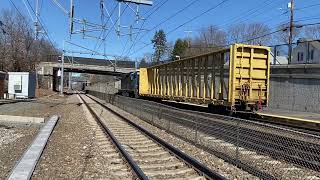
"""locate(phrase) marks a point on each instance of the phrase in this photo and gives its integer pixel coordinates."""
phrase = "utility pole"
(291, 6)
(62, 70)
(188, 37)
(36, 23)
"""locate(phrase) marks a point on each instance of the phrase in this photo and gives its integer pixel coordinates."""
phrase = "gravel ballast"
(213, 162)
(77, 148)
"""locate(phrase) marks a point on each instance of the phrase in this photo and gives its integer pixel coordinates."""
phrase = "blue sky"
(272, 12)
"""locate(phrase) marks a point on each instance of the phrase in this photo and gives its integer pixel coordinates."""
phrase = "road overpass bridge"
(48, 70)
(87, 65)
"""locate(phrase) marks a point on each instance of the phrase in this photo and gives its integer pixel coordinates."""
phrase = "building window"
(300, 56)
(311, 54)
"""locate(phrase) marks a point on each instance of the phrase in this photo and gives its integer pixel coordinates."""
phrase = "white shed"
(21, 85)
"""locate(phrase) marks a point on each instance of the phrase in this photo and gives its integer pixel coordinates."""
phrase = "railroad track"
(277, 145)
(147, 155)
(264, 150)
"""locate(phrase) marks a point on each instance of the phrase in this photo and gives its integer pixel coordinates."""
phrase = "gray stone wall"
(297, 94)
(103, 83)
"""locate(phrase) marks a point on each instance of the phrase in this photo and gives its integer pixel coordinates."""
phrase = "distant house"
(306, 52)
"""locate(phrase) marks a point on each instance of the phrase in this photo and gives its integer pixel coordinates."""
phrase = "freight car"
(235, 79)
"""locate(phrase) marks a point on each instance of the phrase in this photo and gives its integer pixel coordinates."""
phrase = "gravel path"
(16, 138)
(67, 151)
(217, 164)
(13, 142)
(43, 107)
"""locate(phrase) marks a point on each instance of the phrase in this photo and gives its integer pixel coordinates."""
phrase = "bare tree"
(213, 37)
(253, 33)
(312, 32)
(19, 50)
(209, 39)
(257, 34)
(283, 35)
(237, 33)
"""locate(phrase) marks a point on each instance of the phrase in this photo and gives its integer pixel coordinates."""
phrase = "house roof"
(315, 44)
(281, 60)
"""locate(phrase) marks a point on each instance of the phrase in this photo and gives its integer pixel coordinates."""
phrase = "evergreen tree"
(159, 44)
(179, 48)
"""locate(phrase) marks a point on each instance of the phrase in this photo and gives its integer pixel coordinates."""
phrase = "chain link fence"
(304, 51)
(267, 151)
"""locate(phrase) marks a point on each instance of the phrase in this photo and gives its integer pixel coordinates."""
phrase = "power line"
(159, 2)
(42, 25)
(188, 21)
(245, 41)
(167, 19)
(279, 30)
(301, 19)
(245, 14)
(170, 17)
(248, 13)
(306, 7)
(260, 36)
(141, 28)
(196, 17)
(16, 8)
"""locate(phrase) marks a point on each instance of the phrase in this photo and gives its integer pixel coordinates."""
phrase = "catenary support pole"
(62, 70)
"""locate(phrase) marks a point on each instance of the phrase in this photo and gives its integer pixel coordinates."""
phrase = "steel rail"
(199, 167)
(254, 139)
(290, 149)
(137, 170)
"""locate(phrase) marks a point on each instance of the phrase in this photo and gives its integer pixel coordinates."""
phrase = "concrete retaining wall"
(295, 87)
(295, 94)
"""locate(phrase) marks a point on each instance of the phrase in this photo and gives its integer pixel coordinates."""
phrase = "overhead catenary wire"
(42, 25)
(105, 24)
(60, 6)
(25, 4)
(154, 6)
(112, 27)
(95, 52)
(50, 41)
